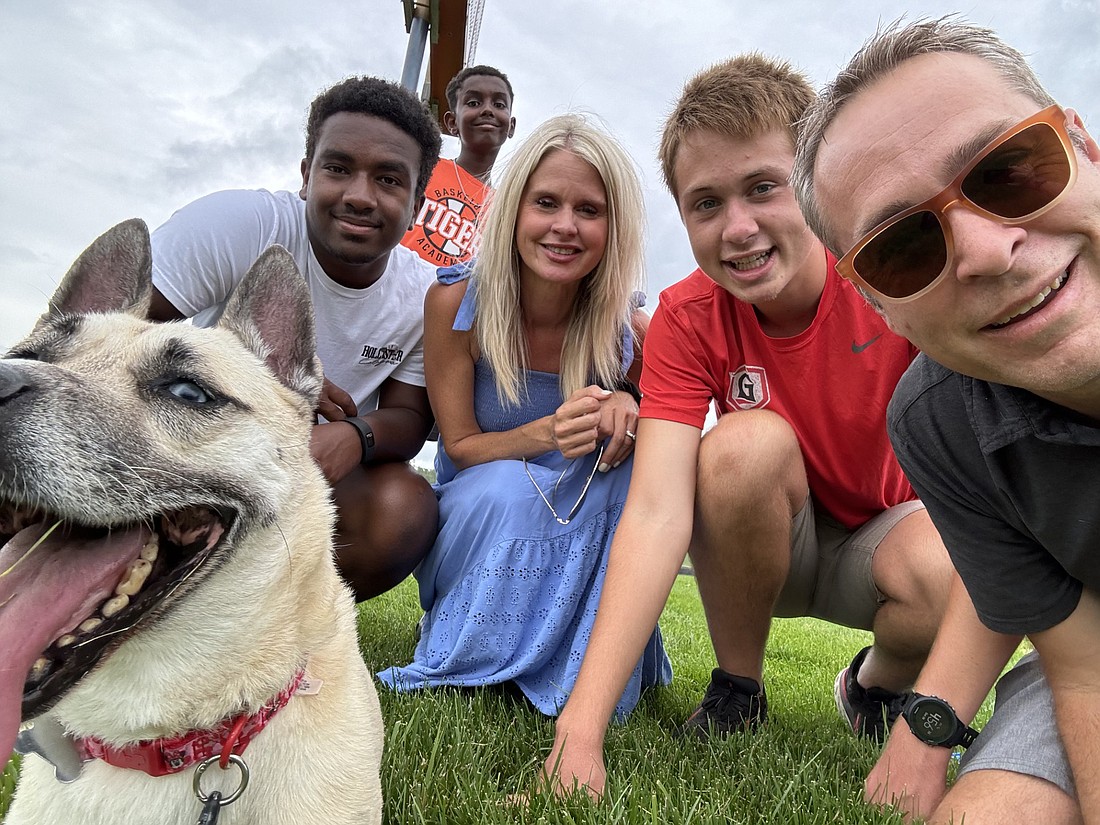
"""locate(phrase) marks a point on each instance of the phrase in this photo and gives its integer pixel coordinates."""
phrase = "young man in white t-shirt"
(370, 149)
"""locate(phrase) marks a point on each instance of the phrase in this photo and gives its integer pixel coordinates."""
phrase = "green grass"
(7, 783)
(455, 757)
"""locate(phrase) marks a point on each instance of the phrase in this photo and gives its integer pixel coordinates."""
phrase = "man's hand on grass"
(909, 775)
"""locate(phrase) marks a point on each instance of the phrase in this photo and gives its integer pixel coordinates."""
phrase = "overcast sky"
(114, 109)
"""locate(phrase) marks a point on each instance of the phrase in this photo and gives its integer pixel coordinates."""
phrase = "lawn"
(456, 757)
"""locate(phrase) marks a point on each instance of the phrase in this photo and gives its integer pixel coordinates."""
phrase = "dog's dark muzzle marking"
(13, 382)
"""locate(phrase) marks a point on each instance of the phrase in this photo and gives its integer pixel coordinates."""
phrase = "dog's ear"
(271, 312)
(114, 274)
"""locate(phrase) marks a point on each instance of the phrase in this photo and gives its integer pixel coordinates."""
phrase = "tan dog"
(189, 581)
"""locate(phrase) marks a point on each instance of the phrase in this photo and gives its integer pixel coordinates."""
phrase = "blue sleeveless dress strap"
(510, 594)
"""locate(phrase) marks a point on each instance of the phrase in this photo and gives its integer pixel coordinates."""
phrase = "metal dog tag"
(46, 737)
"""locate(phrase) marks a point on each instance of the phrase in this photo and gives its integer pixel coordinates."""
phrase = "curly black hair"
(471, 71)
(384, 99)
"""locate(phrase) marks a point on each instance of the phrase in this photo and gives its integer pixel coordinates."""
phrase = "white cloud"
(122, 108)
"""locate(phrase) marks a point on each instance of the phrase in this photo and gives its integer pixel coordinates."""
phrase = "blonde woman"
(530, 353)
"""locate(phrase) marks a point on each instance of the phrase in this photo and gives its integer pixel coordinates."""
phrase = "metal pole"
(418, 39)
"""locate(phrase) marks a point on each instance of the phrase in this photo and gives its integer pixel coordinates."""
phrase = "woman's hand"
(619, 423)
(575, 425)
(591, 415)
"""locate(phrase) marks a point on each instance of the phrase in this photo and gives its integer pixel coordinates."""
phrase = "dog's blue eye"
(189, 391)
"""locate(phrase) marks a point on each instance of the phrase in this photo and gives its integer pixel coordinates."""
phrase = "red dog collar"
(160, 757)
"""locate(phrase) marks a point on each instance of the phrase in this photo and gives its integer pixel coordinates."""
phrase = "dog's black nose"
(13, 382)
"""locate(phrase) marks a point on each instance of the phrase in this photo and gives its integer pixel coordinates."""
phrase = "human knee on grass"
(386, 522)
(912, 571)
(751, 482)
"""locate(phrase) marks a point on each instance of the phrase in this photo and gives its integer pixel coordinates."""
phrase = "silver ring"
(631, 436)
(196, 782)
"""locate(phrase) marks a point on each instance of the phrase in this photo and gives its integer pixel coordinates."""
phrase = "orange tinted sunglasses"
(1016, 178)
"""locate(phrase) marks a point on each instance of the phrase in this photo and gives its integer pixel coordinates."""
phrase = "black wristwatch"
(933, 721)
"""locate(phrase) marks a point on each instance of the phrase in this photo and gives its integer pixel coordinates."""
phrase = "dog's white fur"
(275, 601)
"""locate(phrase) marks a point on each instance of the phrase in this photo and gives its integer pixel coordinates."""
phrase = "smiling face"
(360, 194)
(562, 225)
(482, 119)
(1020, 304)
(746, 230)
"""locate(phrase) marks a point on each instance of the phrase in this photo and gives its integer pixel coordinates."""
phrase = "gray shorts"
(830, 576)
(1022, 736)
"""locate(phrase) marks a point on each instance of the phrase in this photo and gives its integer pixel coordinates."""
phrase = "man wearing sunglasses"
(793, 504)
(967, 206)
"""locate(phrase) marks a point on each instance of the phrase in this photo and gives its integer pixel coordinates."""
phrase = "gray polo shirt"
(1012, 482)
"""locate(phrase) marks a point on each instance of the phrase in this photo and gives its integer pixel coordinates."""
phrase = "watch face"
(932, 720)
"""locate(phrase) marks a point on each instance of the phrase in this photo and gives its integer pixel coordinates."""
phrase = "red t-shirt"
(831, 382)
(445, 231)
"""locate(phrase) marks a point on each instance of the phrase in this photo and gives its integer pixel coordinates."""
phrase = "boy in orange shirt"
(480, 116)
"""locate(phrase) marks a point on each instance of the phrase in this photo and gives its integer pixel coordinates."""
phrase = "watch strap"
(366, 437)
(965, 734)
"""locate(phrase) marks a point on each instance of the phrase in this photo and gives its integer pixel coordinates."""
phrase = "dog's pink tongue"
(46, 592)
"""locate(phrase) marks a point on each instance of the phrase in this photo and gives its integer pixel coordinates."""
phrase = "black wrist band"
(366, 437)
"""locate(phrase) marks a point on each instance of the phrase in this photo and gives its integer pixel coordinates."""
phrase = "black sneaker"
(731, 704)
(869, 712)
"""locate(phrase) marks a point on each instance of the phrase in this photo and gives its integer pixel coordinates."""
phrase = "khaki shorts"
(1022, 735)
(830, 576)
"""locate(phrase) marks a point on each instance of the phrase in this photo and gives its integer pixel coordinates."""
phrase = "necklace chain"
(549, 502)
(459, 171)
(458, 178)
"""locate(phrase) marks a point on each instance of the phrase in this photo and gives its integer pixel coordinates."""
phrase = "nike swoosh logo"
(858, 348)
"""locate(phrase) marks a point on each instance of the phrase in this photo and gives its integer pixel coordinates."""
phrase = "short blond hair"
(743, 97)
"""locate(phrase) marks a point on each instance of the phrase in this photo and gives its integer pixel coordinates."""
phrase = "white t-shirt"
(364, 336)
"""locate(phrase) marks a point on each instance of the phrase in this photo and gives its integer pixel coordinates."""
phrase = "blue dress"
(509, 593)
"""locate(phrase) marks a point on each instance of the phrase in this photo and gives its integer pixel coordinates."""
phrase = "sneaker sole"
(841, 702)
